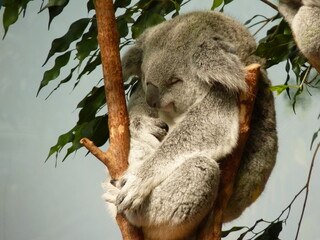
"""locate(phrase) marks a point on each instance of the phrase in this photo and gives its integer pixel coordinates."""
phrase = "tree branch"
(116, 157)
(229, 166)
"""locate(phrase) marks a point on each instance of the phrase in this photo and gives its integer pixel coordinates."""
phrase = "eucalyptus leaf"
(314, 137)
(54, 72)
(146, 20)
(90, 5)
(93, 62)
(55, 11)
(279, 88)
(216, 4)
(276, 50)
(54, 3)
(62, 141)
(88, 42)
(89, 130)
(91, 104)
(234, 229)
(121, 3)
(272, 232)
(65, 80)
(10, 16)
(75, 32)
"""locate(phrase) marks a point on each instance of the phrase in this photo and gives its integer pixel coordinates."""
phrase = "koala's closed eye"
(175, 81)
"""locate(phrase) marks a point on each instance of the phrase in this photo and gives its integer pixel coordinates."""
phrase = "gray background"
(39, 201)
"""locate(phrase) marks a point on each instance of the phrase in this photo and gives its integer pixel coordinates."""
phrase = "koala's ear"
(131, 62)
(215, 61)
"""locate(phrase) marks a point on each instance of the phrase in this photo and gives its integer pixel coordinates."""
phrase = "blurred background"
(40, 201)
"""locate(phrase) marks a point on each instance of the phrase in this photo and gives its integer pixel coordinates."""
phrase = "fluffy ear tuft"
(215, 60)
(131, 62)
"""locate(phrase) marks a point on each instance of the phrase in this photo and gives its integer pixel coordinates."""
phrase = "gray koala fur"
(303, 17)
(184, 121)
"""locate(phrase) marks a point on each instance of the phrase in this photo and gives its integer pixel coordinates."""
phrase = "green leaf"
(90, 5)
(276, 50)
(10, 16)
(54, 72)
(55, 11)
(93, 62)
(272, 232)
(62, 141)
(153, 13)
(216, 4)
(54, 3)
(314, 137)
(88, 42)
(75, 32)
(176, 5)
(145, 21)
(121, 3)
(96, 130)
(234, 229)
(297, 61)
(295, 97)
(122, 23)
(65, 80)
(101, 131)
(279, 88)
(91, 104)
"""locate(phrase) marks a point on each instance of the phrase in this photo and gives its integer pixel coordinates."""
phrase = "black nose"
(152, 95)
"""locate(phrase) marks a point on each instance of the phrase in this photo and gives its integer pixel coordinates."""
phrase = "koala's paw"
(144, 126)
(111, 192)
(133, 192)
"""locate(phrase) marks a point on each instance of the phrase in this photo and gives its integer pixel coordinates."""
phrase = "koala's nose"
(152, 95)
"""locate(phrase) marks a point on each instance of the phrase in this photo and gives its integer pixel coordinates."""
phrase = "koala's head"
(180, 60)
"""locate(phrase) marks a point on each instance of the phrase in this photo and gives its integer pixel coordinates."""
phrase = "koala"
(184, 120)
(303, 17)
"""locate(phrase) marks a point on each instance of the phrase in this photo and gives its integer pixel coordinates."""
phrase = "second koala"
(303, 17)
(184, 120)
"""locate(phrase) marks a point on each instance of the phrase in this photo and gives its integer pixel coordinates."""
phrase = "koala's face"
(169, 83)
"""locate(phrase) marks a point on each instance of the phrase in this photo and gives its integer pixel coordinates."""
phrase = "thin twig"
(307, 190)
(270, 4)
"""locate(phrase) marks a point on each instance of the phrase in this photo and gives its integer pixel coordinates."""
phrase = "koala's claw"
(160, 129)
(131, 195)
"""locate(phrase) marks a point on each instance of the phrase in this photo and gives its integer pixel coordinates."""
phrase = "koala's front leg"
(146, 129)
(218, 129)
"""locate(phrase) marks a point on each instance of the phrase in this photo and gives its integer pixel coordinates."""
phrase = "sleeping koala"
(184, 120)
(303, 17)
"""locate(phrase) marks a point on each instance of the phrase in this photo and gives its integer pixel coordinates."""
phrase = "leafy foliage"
(270, 232)
(83, 35)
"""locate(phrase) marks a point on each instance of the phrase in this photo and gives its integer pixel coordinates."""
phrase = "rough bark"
(116, 157)
(229, 167)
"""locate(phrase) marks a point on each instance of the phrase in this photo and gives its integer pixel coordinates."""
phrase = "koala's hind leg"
(179, 202)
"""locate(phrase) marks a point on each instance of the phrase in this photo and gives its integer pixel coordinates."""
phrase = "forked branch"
(116, 157)
(230, 165)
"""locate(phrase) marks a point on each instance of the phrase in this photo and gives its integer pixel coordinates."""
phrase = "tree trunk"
(116, 157)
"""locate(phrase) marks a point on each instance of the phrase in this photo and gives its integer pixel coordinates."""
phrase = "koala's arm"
(214, 121)
(146, 129)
